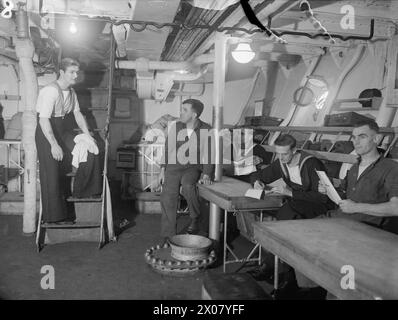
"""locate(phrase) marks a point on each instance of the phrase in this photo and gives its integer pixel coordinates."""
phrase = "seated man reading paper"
(370, 192)
(371, 185)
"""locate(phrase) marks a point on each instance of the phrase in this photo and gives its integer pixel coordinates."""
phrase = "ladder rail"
(106, 136)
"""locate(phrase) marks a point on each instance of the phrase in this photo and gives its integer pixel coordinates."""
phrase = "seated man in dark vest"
(185, 169)
(370, 189)
(369, 192)
(56, 107)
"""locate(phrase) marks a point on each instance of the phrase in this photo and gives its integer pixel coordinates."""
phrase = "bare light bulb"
(243, 53)
(320, 102)
(73, 28)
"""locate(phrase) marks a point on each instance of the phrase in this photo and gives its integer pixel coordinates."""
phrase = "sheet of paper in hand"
(330, 190)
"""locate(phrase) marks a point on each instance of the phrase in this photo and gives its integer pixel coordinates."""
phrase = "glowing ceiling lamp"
(321, 89)
(243, 53)
(321, 100)
(73, 28)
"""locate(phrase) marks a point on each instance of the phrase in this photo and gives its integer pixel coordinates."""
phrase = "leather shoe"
(193, 227)
(287, 291)
(290, 291)
(316, 293)
(165, 241)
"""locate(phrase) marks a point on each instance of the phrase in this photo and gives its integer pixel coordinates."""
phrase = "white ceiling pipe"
(145, 64)
(186, 77)
(197, 93)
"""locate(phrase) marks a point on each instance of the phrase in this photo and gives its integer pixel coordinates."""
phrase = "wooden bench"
(325, 249)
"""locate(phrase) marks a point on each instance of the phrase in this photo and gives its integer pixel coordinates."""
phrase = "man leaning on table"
(185, 169)
(370, 189)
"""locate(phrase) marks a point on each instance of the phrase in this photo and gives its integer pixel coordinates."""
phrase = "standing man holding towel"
(56, 104)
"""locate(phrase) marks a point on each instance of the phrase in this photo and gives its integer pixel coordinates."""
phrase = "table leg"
(225, 240)
(214, 222)
(259, 245)
(19, 167)
(7, 164)
(276, 272)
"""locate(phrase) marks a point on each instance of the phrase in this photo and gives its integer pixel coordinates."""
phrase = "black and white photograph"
(205, 157)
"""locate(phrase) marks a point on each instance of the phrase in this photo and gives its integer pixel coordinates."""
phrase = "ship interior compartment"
(297, 196)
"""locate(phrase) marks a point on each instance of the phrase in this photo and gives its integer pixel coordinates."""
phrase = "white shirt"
(47, 99)
(294, 174)
(189, 132)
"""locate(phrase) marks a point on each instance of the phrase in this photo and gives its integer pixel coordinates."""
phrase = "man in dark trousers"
(56, 104)
(298, 171)
(178, 169)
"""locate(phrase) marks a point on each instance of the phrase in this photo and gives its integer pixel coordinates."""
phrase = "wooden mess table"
(325, 249)
(229, 195)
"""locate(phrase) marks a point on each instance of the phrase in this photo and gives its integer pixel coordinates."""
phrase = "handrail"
(348, 130)
(323, 155)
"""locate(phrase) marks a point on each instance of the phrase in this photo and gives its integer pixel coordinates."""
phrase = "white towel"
(83, 145)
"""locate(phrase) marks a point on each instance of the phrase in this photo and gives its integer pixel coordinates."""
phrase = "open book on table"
(330, 190)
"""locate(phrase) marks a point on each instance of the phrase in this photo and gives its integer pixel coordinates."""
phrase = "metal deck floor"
(117, 271)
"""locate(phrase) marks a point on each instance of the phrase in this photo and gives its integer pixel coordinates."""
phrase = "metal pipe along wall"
(25, 50)
(218, 111)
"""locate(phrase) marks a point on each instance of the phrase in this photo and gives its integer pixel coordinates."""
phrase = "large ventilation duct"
(157, 85)
(145, 64)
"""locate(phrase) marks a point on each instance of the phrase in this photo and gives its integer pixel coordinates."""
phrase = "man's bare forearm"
(48, 131)
(81, 122)
(386, 209)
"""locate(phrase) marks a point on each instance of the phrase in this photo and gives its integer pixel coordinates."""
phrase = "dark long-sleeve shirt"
(185, 151)
(377, 184)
